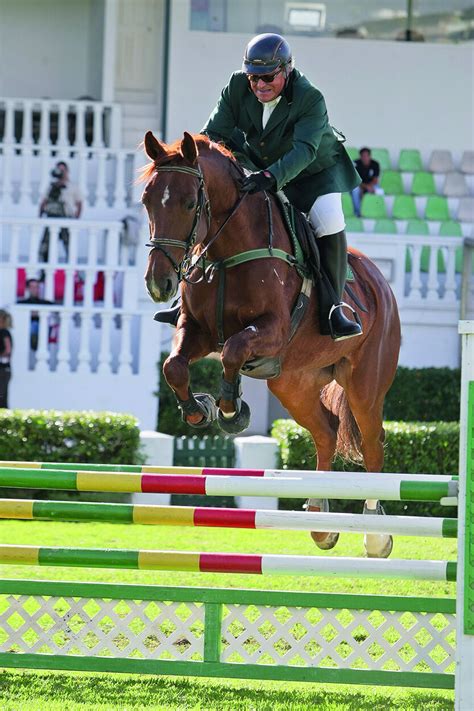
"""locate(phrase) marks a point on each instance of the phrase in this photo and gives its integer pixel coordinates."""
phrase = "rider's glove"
(263, 180)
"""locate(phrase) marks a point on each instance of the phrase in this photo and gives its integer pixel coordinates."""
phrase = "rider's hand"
(263, 180)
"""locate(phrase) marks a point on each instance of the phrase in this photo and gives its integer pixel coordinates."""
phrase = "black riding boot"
(171, 315)
(333, 255)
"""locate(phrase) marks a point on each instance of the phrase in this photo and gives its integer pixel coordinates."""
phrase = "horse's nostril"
(169, 285)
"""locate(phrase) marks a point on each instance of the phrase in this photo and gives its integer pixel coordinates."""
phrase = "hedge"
(54, 436)
(411, 448)
(423, 395)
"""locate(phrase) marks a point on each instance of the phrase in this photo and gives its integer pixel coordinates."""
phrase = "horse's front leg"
(264, 337)
(190, 344)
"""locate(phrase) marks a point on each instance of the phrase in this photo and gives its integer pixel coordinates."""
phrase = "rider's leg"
(327, 218)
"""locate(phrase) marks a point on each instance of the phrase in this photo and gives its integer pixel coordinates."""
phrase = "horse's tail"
(348, 443)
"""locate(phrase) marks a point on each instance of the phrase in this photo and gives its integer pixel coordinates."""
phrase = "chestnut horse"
(200, 226)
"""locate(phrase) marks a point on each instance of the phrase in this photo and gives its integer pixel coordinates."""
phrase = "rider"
(276, 123)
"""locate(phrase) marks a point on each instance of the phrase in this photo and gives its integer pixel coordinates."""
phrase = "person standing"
(6, 346)
(276, 123)
(34, 288)
(62, 199)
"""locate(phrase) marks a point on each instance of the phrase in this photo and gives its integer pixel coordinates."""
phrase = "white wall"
(55, 48)
(383, 94)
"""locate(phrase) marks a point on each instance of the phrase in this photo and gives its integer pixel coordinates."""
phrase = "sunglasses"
(267, 78)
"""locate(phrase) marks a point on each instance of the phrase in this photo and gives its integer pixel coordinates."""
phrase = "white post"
(159, 450)
(108, 53)
(256, 452)
(465, 578)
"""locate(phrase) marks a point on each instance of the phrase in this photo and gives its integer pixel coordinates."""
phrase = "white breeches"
(326, 215)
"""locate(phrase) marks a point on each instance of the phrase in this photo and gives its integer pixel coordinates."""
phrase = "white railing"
(60, 123)
(423, 271)
(98, 269)
(95, 346)
(85, 360)
(106, 178)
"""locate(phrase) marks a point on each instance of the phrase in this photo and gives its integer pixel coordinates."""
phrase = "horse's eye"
(190, 204)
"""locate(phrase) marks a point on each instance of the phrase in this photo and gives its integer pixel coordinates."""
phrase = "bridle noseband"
(202, 203)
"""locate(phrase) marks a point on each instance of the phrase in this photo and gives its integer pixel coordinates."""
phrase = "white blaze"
(166, 196)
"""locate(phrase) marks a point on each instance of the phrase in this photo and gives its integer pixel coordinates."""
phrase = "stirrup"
(353, 328)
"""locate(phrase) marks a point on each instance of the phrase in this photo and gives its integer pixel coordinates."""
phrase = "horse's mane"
(173, 150)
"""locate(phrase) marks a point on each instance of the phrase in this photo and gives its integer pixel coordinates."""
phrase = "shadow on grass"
(57, 690)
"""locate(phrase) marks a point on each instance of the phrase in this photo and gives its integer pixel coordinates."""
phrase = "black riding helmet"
(265, 53)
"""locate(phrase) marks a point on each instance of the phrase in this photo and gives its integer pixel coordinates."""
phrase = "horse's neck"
(251, 226)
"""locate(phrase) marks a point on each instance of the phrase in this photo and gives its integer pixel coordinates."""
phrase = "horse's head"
(177, 207)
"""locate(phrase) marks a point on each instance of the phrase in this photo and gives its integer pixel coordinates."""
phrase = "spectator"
(34, 290)
(62, 199)
(6, 345)
(369, 171)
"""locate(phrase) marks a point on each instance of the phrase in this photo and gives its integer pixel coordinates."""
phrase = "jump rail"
(27, 509)
(344, 486)
(228, 563)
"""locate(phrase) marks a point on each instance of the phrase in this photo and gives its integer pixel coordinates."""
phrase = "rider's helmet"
(265, 53)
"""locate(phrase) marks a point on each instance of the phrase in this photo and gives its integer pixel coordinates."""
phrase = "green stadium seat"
(373, 206)
(382, 156)
(385, 226)
(423, 184)
(437, 208)
(417, 227)
(347, 205)
(354, 224)
(391, 182)
(353, 152)
(404, 208)
(421, 228)
(452, 228)
(409, 160)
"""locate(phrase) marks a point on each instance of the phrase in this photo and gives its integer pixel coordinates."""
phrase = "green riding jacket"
(298, 145)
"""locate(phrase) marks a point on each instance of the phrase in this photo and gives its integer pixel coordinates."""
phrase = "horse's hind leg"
(365, 397)
(309, 412)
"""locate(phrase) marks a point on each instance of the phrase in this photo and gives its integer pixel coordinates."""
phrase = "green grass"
(58, 691)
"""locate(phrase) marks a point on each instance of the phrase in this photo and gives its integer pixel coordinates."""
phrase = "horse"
(231, 254)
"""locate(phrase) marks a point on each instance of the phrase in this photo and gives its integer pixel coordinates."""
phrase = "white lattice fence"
(233, 633)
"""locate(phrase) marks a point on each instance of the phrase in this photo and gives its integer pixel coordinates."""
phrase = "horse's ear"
(189, 149)
(153, 147)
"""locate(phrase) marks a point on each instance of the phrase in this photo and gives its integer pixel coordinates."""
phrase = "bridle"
(203, 204)
(189, 262)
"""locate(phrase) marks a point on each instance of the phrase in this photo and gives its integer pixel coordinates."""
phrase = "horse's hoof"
(377, 545)
(325, 544)
(208, 407)
(238, 423)
(324, 541)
